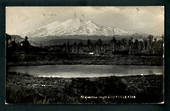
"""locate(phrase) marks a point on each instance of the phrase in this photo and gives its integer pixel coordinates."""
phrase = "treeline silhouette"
(23, 51)
(146, 46)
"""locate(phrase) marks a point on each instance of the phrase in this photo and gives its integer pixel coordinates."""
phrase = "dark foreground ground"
(23, 88)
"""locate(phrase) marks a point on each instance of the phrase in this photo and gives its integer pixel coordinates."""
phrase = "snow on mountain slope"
(76, 26)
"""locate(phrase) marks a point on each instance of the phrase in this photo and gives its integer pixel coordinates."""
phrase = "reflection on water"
(80, 71)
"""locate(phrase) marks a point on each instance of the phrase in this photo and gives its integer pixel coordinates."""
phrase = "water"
(82, 71)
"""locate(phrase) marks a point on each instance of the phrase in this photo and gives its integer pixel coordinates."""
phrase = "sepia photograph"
(85, 55)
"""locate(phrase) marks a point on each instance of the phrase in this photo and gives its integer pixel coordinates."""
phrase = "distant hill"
(59, 40)
(18, 38)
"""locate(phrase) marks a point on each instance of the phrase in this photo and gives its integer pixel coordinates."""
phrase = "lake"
(83, 71)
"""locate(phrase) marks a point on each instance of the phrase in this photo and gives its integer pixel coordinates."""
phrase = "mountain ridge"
(76, 26)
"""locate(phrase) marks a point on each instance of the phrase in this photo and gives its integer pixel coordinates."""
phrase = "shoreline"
(90, 77)
(51, 63)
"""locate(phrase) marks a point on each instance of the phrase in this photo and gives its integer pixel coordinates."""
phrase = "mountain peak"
(76, 26)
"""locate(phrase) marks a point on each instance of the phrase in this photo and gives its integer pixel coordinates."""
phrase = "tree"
(25, 44)
(89, 42)
(99, 42)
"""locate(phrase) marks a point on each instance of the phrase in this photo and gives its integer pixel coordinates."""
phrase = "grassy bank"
(97, 60)
(23, 88)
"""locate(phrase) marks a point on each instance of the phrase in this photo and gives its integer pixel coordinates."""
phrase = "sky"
(137, 19)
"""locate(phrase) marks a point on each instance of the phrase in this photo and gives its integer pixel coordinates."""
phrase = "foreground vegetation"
(56, 59)
(23, 88)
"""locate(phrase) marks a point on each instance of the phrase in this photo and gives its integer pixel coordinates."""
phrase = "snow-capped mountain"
(76, 26)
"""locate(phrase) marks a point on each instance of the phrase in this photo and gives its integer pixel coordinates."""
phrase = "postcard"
(85, 55)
